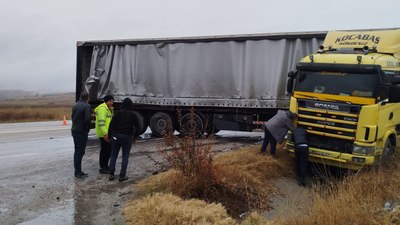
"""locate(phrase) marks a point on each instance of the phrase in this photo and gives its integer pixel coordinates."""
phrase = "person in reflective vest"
(104, 113)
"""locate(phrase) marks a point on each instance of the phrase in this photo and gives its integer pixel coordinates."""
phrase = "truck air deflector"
(364, 69)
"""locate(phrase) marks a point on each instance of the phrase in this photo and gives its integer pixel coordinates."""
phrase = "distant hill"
(25, 98)
(13, 94)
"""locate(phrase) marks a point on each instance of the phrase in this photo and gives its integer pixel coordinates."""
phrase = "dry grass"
(240, 180)
(250, 176)
(168, 209)
(256, 219)
(32, 113)
(354, 199)
(40, 108)
(243, 181)
(357, 199)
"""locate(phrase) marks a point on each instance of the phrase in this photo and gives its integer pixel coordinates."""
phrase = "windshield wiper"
(308, 96)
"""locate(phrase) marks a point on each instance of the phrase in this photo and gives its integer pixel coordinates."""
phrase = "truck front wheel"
(388, 151)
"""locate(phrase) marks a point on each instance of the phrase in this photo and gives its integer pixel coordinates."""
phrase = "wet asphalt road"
(37, 184)
(34, 161)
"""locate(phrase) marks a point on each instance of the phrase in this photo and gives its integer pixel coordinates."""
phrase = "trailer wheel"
(388, 151)
(208, 123)
(160, 123)
(192, 124)
(142, 126)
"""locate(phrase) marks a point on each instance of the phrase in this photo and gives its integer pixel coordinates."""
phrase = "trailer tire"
(192, 124)
(208, 123)
(160, 124)
(141, 126)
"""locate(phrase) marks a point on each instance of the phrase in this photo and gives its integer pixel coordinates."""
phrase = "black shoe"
(83, 174)
(80, 177)
(112, 177)
(301, 183)
(104, 171)
(122, 178)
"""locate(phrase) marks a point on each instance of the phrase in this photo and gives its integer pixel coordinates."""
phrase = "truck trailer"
(229, 82)
(347, 97)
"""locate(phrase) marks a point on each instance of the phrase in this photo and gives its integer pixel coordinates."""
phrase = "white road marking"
(37, 130)
(11, 156)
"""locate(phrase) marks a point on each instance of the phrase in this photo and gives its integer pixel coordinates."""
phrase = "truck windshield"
(337, 83)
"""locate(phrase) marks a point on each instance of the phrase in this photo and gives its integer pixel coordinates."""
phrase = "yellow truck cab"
(347, 97)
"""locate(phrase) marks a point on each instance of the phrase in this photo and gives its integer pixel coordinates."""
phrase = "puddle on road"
(3, 210)
(61, 215)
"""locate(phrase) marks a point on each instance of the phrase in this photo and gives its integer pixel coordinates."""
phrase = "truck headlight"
(363, 150)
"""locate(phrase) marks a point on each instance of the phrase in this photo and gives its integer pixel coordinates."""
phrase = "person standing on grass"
(81, 118)
(121, 131)
(104, 114)
(300, 140)
(276, 129)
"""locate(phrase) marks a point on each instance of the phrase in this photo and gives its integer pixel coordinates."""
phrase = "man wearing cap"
(104, 113)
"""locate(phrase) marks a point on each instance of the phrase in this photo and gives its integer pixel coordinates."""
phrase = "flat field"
(38, 108)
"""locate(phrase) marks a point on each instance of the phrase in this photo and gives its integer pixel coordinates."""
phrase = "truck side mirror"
(290, 82)
(292, 74)
(394, 93)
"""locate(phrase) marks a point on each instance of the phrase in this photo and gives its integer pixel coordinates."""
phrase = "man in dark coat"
(81, 117)
(276, 129)
(300, 141)
(121, 130)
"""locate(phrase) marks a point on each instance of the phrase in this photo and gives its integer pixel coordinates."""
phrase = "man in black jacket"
(121, 131)
(81, 117)
(300, 140)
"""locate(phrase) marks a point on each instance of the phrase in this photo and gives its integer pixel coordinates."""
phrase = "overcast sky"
(38, 37)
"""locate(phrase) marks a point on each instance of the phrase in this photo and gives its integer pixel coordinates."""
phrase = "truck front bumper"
(337, 159)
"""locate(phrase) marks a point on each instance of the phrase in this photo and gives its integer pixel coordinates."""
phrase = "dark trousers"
(119, 141)
(301, 158)
(80, 141)
(268, 139)
(105, 152)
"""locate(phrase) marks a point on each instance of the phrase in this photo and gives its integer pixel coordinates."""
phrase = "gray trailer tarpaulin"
(249, 74)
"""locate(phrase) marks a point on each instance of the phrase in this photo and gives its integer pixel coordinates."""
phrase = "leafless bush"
(193, 159)
(239, 185)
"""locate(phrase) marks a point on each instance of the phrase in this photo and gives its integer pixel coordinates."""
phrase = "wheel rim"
(208, 123)
(159, 124)
(192, 124)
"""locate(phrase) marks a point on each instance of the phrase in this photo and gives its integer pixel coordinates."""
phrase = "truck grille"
(331, 126)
